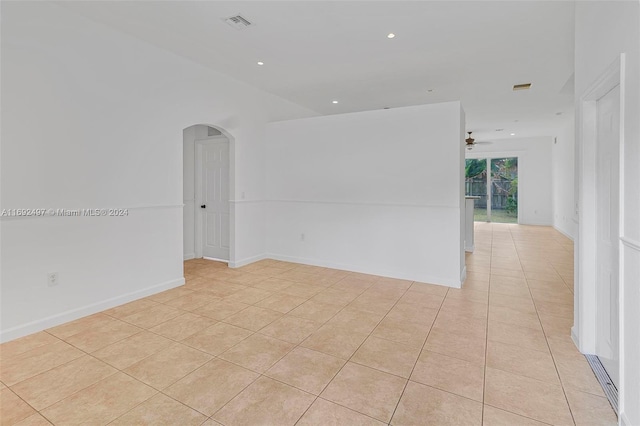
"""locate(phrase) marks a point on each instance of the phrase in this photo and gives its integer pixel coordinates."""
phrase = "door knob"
(204, 206)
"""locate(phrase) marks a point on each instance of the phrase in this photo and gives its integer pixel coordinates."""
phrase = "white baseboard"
(74, 314)
(624, 421)
(563, 232)
(246, 261)
(574, 337)
(463, 275)
(189, 256)
(216, 259)
(469, 249)
(534, 223)
(447, 282)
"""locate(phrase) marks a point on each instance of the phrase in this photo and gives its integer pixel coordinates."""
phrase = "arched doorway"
(207, 191)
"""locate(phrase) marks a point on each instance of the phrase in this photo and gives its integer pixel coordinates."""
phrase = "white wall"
(535, 205)
(377, 192)
(93, 118)
(604, 30)
(188, 191)
(565, 217)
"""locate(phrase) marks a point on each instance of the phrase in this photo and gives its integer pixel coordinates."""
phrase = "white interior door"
(607, 230)
(212, 197)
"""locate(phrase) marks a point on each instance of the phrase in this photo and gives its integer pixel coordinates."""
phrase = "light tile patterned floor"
(276, 343)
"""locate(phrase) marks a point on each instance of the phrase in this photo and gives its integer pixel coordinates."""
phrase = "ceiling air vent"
(525, 86)
(238, 22)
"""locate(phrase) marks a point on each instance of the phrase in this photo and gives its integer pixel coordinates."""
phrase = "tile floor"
(276, 343)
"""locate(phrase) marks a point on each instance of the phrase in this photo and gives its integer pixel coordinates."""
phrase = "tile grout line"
(260, 375)
(486, 341)
(26, 402)
(299, 345)
(253, 333)
(501, 408)
(354, 352)
(418, 358)
(549, 347)
(118, 370)
(141, 330)
(73, 393)
(348, 360)
(90, 354)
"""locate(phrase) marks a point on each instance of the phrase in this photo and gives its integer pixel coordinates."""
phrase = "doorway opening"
(495, 182)
(599, 294)
(607, 230)
(208, 214)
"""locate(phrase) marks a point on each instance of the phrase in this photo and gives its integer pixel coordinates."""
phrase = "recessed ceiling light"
(334, 102)
(512, 134)
(391, 35)
(260, 63)
(429, 90)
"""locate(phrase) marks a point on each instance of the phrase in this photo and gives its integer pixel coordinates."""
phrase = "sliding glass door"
(495, 182)
(476, 186)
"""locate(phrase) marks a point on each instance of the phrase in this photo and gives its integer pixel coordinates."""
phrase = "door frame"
(198, 240)
(584, 330)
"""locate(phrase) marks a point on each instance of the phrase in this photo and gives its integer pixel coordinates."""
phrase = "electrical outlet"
(52, 279)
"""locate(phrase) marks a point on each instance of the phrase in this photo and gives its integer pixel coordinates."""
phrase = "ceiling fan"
(471, 142)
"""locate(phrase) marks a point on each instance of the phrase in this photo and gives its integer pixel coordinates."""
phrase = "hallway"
(277, 343)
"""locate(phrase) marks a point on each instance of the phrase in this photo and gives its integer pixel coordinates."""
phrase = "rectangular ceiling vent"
(525, 86)
(238, 22)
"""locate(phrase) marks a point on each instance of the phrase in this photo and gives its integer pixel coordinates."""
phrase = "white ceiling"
(318, 51)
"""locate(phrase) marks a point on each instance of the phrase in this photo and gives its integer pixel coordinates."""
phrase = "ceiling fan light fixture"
(469, 141)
